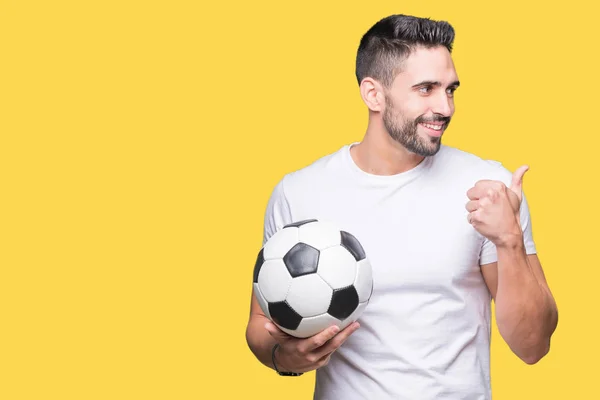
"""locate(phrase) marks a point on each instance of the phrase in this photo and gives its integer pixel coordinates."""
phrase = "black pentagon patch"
(300, 223)
(353, 246)
(259, 262)
(343, 303)
(284, 316)
(301, 259)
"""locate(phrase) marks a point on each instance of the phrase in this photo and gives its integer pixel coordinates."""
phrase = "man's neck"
(379, 154)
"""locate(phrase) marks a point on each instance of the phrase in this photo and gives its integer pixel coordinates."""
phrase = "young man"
(445, 231)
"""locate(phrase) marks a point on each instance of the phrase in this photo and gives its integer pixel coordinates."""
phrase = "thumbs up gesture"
(494, 208)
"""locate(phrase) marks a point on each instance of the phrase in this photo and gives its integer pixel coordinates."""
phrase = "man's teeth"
(434, 127)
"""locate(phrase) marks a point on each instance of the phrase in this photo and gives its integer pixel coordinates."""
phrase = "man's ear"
(372, 94)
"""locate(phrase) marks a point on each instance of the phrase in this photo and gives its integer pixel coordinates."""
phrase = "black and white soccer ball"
(310, 275)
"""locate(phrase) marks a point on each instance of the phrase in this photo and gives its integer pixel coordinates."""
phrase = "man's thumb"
(274, 331)
(517, 181)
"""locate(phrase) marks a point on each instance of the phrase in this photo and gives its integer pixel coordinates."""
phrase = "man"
(445, 231)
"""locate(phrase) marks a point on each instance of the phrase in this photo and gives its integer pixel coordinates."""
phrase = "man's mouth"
(435, 126)
(433, 129)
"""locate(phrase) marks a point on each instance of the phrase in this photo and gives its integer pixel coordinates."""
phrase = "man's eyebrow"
(435, 83)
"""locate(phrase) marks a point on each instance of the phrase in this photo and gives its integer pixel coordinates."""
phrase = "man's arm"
(526, 313)
(293, 354)
(258, 338)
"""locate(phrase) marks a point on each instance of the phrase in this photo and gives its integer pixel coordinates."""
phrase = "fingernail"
(335, 329)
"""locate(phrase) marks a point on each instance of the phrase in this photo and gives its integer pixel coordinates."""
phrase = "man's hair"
(391, 40)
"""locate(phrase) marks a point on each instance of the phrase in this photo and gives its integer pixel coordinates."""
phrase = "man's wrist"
(276, 359)
(277, 365)
(510, 240)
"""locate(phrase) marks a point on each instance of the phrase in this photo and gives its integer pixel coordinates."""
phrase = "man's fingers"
(474, 217)
(479, 191)
(323, 361)
(472, 205)
(317, 340)
(475, 193)
(338, 340)
(483, 188)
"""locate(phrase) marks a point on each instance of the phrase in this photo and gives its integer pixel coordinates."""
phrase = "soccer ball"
(310, 275)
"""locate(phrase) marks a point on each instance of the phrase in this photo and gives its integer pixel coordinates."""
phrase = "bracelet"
(275, 365)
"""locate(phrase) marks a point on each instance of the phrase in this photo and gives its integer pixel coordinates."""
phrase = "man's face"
(420, 102)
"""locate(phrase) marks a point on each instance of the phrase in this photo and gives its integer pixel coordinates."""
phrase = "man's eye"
(425, 89)
(451, 91)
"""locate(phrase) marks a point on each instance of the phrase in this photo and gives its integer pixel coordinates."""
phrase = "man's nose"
(443, 105)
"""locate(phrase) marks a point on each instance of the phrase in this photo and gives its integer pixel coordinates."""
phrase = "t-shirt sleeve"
(278, 212)
(488, 250)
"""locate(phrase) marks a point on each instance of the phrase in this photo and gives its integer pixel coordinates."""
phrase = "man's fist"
(494, 208)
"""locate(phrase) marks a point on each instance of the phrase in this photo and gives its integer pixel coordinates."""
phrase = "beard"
(406, 133)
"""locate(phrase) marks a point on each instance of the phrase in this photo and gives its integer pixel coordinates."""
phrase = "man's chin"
(424, 146)
(430, 148)
(428, 145)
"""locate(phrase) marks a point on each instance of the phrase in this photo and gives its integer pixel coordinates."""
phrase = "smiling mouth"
(435, 127)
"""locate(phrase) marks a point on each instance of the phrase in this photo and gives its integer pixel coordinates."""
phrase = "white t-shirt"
(425, 333)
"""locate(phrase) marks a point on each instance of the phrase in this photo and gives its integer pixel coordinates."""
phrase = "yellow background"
(140, 141)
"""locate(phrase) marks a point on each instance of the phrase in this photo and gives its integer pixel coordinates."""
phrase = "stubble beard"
(406, 133)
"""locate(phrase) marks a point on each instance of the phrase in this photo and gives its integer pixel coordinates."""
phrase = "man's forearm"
(259, 340)
(525, 311)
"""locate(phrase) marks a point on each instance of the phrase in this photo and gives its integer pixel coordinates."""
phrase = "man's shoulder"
(318, 170)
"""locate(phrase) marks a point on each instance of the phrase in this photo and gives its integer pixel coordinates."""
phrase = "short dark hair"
(392, 39)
